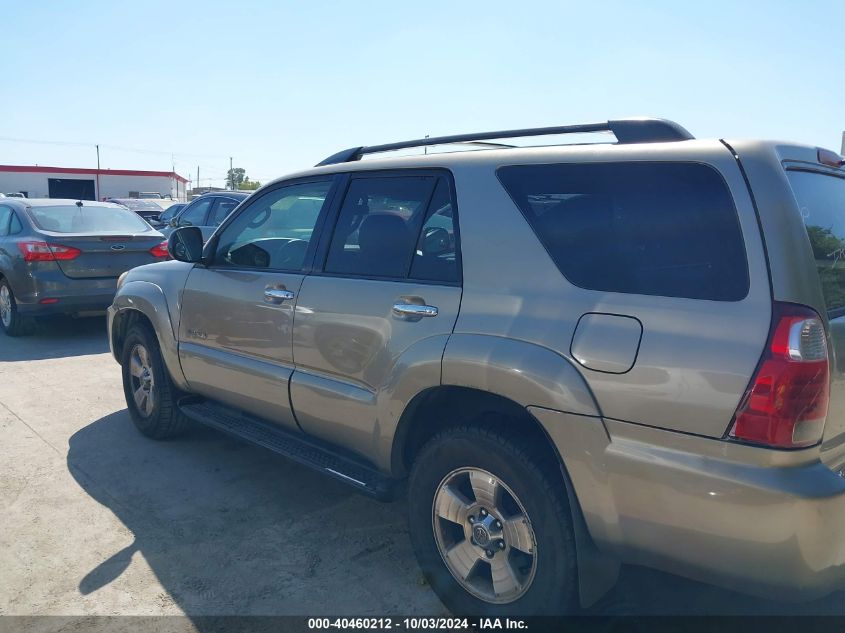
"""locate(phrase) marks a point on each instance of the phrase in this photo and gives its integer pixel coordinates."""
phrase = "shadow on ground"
(57, 337)
(231, 529)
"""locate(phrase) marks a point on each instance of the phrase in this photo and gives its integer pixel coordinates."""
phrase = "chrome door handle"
(413, 310)
(276, 294)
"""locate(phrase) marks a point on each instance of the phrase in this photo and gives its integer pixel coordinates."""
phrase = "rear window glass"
(667, 229)
(821, 199)
(137, 204)
(87, 219)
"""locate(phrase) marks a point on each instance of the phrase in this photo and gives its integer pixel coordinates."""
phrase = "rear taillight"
(785, 405)
(44, 252)
(160, 250)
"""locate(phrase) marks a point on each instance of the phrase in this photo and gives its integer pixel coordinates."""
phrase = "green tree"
(236, 176)
(249, 185)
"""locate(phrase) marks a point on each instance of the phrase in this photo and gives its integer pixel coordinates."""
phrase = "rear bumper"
(764, 522)
(70, 295)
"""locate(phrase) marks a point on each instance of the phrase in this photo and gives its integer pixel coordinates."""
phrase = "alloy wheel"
(142, 380)
(5, 306)
(484, 535)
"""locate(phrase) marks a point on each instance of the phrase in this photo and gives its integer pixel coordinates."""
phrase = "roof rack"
(645, 130)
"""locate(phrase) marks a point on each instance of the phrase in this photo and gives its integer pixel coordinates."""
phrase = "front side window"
(378, 225)
(665, 229)
(275, 230)
(821, 198)
(195, 213)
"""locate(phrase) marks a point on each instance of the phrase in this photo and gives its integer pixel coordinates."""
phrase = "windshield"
(87, 219)
(137, 205)
(821, 198)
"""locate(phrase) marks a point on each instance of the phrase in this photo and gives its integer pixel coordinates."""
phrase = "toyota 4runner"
(567, 356)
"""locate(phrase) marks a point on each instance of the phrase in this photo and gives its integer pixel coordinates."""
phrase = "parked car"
(168, 214)
(147, 209)
(14, 194)
(571, 356)
(206, 212)
(64, 256)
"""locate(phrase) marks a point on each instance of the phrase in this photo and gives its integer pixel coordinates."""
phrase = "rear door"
(390, 281)
(237, 314)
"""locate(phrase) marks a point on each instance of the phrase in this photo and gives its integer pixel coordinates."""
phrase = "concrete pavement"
(98, 520)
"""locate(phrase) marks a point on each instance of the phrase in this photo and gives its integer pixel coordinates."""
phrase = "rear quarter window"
(821, 199)
(665, 229)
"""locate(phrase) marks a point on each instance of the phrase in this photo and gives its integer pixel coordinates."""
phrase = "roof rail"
(643, 130)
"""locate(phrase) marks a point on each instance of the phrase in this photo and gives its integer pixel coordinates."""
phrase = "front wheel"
(491, 530)
(150, 393)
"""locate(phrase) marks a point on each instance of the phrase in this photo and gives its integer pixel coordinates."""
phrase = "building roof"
(38, 169)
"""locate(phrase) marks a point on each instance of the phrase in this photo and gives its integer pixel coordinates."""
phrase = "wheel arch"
(140, 301)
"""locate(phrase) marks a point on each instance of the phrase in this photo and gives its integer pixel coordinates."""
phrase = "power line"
(113, 147)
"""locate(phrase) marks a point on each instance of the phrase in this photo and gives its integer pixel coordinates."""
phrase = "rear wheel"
(491, 530)
(11, 321)
(150, 393)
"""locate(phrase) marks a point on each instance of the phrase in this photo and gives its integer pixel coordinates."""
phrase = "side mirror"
(173, 222)
(185, 244)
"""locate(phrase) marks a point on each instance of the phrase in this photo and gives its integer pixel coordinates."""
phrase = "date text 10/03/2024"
(415, 624)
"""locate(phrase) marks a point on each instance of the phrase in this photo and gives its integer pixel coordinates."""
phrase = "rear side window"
(666, 229)
(821, 198)
(378, 226)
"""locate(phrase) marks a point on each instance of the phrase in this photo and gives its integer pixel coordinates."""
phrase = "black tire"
(17, 324)
(554, 588)
(164, 420)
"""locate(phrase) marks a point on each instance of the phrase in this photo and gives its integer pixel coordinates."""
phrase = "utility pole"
(98, 173)
(843, 144)
(231, 174)
(196, 186)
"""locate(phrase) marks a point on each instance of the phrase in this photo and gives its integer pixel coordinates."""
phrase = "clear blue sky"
(280, 85)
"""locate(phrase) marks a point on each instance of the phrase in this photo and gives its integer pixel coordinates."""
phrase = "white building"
(89, 184)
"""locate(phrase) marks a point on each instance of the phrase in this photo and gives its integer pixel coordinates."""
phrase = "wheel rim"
(142, 380)
(5, 306)
(484, 535)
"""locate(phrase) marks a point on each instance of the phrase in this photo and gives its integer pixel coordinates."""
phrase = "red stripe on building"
(92, 172)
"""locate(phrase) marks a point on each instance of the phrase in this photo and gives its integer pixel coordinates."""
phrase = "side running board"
(300, 449)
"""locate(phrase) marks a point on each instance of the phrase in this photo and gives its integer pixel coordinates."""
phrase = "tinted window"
(275, 230)
(667, 229)
(222, 208)
(378, 226)
(87, 219)
(5, 214)
(435, 258)
(194, 214)
(822, 202)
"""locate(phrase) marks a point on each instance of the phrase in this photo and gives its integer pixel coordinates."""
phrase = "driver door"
(235, 331)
